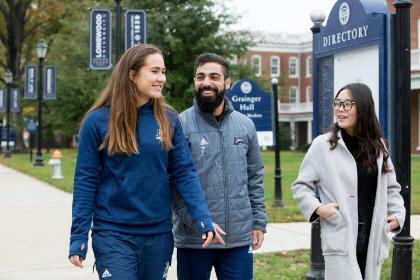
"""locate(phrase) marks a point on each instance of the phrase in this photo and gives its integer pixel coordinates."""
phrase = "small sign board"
(249, 99)
(31, 126)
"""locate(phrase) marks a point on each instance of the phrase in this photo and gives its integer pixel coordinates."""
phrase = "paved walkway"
(35, 225)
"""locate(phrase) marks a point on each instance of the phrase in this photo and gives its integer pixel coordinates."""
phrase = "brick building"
(289, 57)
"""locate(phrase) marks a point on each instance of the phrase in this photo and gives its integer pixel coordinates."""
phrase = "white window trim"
(259, 72)
(297, 94)
(294, 58)
(278, 66)
(308, 69)
(418, 33)
(308, 94)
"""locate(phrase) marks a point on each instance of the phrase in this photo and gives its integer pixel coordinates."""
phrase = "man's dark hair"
(211, 57)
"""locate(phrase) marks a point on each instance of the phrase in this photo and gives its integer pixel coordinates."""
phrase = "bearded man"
(227, 158)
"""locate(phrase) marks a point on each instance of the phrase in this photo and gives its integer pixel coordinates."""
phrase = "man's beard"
(209, 104)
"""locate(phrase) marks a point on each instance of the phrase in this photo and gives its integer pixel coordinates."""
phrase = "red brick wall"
(286, 81)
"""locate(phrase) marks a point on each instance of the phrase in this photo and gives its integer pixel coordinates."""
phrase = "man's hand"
(257, 239)
(213, 237)
(327, 210)
(392, 222)
(77, 261)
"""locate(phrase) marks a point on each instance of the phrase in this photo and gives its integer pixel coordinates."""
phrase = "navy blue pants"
(132, 257)
(229, 264)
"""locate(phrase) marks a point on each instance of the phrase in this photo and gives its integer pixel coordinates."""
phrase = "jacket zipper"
(224, 182)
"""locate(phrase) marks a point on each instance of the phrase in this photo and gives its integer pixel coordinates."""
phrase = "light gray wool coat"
(335, 172)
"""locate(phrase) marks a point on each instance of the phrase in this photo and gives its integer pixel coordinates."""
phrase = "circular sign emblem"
(246, 87)
(344, 13)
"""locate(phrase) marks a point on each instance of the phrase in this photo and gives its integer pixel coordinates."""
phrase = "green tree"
(185, 28)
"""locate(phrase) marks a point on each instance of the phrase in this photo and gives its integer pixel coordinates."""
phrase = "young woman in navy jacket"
(131, 144)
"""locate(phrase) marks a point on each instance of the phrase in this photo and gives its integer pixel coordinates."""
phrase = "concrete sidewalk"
(35, 225)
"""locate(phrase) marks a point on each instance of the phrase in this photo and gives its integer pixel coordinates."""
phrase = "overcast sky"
(277, 15)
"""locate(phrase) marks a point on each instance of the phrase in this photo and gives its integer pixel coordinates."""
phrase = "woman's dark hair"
(366, 130)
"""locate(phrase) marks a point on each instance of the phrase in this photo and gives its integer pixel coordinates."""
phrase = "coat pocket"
(384, 243)
(334, 235)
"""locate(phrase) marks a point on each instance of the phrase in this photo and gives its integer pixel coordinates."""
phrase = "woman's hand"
(392, 222)
(77, 261)
(327, 210)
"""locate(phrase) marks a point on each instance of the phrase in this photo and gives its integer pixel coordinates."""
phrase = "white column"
(293, 135)
(309, 132)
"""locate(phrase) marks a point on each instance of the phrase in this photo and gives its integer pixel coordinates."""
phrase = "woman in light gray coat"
(360, 201)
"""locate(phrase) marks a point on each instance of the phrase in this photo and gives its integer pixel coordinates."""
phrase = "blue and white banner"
(2, 100)
(31, 82)
(50, 82)
(100, 39)
(14, 100)
(135, 28)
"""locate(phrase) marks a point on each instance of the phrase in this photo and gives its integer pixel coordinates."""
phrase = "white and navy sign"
(135, 28)
(351, 48)
(31, 74)
(249, 99)
(100, 39)
(50, 82)
(14, 100)
(2, 100)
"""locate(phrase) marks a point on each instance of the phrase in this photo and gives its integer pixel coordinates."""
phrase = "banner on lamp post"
(50, 82)
(135, 28)
(100, 39)
(2, 100)
(31, 74)
(14, 100)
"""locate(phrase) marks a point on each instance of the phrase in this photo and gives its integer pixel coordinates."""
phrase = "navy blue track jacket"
(130, 194)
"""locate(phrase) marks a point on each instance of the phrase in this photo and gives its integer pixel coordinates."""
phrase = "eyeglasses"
(347, 105)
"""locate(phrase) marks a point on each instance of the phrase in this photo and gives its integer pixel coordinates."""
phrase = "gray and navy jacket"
(131, 194)
(228, 161)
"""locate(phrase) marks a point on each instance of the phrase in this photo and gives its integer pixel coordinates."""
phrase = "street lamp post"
(8, 77)
(317, 260)
(403, 242)
(118, 32)
(41, 50)
(278, 202)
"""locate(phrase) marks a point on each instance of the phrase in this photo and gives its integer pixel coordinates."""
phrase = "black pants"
(362, 246)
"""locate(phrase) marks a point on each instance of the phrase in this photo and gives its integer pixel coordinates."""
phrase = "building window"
(256, 64)
(293, 67)
(275, 66)
(308, 66)
(293, 94)
(309, 94)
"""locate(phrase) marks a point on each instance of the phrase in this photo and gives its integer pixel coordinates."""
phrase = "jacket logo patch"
(158, 134)
(203, 145)
(238, 141)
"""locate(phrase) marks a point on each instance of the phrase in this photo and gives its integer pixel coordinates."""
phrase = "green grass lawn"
(290, 163)
(295, 264)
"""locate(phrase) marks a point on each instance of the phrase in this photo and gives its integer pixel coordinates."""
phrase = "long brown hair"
(121, 94)
(366, 130)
